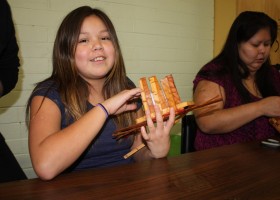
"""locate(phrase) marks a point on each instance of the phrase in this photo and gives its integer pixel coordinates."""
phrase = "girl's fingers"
(161, 127)
(150, 122)
(120, 102)
(144, 133)
(171, 119)
(159, 119)
(133, 93)
(158, 116)
(128, 107)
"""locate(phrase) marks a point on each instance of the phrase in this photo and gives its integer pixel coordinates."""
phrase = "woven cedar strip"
(158, 93)
(146, 95)
(162, 97)
(127, 130)
(168, 94)
(173, 89)
(136, 127)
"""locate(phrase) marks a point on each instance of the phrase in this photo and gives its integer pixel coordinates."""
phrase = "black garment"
(9, 61)
(10, 169)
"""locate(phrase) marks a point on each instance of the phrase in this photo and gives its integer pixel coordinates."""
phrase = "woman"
(249, 86)
(75, 111)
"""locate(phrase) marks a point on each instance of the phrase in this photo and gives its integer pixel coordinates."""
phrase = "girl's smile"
(95, 53)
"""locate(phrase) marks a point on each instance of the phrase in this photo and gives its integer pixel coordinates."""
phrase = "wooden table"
(239, 171)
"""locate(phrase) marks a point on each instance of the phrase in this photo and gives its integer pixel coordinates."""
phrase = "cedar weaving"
(165, 96)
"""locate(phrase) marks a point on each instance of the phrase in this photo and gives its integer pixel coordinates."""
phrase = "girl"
(75, 111)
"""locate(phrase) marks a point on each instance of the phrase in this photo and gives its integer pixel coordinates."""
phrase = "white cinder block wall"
(157, 37)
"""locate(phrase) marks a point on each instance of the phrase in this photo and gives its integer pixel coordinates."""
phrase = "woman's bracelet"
(104, 109)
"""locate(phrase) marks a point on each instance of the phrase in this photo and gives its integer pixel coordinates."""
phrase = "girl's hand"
(158, 138)
(120, 102)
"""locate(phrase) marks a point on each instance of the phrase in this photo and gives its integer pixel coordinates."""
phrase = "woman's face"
(95, 52)
(255, 51)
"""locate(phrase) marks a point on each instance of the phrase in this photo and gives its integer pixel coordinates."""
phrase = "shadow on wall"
(10, 99)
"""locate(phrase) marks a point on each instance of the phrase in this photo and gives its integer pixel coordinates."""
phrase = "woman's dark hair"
(245, 26)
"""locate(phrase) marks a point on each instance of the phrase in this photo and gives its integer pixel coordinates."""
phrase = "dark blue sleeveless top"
(104, 150)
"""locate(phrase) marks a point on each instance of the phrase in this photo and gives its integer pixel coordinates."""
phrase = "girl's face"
(255, 51)
(95, 52)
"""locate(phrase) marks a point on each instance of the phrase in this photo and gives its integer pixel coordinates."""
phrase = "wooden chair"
(188, 132)
(10, 169)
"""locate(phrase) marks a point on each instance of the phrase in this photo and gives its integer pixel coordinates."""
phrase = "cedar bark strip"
(168, 94)
(146, 95)
(158, 94)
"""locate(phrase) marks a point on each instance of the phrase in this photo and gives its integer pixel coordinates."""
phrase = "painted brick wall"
(157, 37)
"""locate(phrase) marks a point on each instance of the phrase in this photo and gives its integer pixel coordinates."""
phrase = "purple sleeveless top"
(257, 129)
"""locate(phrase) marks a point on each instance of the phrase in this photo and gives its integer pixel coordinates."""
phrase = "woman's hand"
(158, 138)
(121, 102)
(270, 106)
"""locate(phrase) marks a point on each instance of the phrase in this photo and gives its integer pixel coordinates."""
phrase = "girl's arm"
(52, 150)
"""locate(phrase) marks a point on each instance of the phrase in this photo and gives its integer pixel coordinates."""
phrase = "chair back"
(188, 133)
(10, 169)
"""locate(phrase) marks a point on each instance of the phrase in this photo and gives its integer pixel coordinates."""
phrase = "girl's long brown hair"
(74, 90)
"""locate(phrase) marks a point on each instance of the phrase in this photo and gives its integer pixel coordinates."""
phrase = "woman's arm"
(215, 119)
